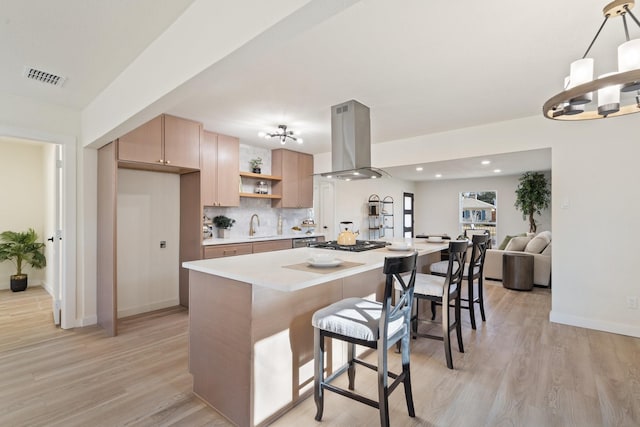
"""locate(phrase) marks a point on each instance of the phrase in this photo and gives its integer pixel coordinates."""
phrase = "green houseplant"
(21, 248)
(256, 165)
(533, 195)
(223, 224)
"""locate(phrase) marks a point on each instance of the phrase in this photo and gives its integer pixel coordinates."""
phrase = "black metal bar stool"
(371, 324)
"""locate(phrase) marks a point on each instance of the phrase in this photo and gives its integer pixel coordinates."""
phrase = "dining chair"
(443, 291)
(376, 325)
(473, 272)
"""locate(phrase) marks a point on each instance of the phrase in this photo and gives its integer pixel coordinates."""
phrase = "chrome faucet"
(252, 230)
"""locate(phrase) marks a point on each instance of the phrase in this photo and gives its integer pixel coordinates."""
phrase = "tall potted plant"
(21, 248)
(533, 195)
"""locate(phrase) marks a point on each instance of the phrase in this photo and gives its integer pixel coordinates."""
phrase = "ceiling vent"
(43, 76)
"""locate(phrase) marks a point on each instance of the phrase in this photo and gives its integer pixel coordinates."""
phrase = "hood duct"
(351, 143)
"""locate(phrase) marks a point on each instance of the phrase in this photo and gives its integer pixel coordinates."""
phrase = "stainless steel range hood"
(351, 143)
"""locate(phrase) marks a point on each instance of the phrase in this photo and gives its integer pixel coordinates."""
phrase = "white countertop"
(267, 268)
(260, 238)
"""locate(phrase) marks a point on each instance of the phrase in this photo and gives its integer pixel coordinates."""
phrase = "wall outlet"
(163, 244)
(632, 303)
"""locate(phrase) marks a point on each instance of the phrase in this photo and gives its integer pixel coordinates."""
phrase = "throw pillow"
(505, 242)
(536, 245)
(507, 239)
(518, 243)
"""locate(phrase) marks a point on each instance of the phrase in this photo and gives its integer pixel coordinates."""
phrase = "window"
(478, 211)
(407, 215)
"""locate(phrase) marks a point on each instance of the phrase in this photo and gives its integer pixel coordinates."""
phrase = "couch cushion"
(536, 245)
(518, 243)
(507, 239)
(545, 234)
(547, 250)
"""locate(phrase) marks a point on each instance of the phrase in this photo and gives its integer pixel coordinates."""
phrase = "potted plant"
(19, 248)
(223, 224)
(532, 196)
(255, 165)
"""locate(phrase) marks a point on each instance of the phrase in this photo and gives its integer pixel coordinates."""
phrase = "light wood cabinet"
(232, 249)
(165, 142)
(219, 170)
(296, 187)
(271, 245)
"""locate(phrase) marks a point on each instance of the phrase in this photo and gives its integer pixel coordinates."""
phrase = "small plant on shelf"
(256, 165)
(223, 224)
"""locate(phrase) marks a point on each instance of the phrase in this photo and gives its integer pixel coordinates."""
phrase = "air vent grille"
(43, 76)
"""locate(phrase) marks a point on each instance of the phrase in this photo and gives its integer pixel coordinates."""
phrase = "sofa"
(539, 246)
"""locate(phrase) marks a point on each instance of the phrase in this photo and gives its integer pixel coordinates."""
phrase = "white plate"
(434, 239)
(399, 248)
(322, 263)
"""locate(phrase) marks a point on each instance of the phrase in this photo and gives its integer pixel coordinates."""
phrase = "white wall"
(22, 199)
(352, 197)
(148, 212)
(437, 205)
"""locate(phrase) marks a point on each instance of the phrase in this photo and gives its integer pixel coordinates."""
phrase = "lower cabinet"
(271, 245)
(220, 251)
(232, 249)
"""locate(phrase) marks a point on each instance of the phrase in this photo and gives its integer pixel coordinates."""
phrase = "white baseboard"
(596, 324)
(47, 288)
(87, 321)
(131, 311)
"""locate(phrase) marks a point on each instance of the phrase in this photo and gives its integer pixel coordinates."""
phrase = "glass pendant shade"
(629, 59)
(608, 98)
(581, 72)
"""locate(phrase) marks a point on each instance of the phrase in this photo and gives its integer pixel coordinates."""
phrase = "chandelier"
(579, 86)
(282, 134)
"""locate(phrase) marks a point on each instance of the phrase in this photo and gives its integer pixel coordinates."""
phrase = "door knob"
(50, 239)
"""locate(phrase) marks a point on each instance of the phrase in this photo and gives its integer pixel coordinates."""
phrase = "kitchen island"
(250, 333)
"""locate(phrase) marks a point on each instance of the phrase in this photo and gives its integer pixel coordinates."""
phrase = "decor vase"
(18, 282)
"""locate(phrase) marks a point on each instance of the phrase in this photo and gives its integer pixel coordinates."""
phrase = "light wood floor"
(518, 370)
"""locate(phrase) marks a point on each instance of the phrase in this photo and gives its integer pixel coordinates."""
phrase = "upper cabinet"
(219, 170)
(164, 143)
(296, 187)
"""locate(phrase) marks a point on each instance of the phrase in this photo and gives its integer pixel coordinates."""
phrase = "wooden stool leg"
(481, 298)
(351, 372)
(383, 398)
(472, 312)
(458, 324)
(318, 392)
(445, 334)
(408, 394)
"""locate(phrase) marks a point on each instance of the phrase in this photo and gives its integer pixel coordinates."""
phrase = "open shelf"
(261, 176)
(261, 196)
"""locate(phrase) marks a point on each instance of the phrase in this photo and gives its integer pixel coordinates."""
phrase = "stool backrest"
(455, 269)
(478, 253)
(394, 268)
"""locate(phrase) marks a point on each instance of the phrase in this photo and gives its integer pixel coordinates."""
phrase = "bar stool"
(443, 291)
(371, 324)
(474, 270)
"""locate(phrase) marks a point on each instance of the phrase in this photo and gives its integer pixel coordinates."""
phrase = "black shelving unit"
(387, 217)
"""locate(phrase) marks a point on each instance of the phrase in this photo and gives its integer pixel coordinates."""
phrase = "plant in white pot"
(223, 224)
(21, 248)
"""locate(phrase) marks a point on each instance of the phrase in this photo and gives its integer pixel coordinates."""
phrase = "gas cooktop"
(360, 246)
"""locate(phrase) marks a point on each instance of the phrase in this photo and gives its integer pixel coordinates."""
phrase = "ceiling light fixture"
(419, 169)
(438, 175)
(497, 170)
(282, 134)
(486, 162)
(580, 85)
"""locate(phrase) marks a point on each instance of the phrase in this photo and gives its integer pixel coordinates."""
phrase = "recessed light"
(438, 175)
(497, 170)
(486, 162)
(419, 169)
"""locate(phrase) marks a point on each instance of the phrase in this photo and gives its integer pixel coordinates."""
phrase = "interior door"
(57, 264)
